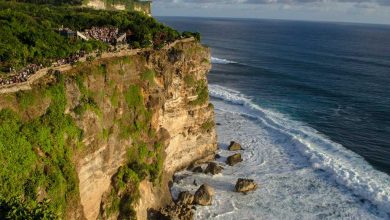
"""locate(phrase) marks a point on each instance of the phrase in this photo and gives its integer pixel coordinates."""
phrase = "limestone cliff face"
(173, 86)
(105, 136)
(131, 5)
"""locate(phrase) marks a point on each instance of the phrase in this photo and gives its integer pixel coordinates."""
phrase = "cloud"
(283, 2)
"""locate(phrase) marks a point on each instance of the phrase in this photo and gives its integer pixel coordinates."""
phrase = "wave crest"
(346, 167)
(216, 60)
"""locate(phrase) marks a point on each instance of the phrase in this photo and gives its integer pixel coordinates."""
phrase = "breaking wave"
(216, 60)
(346, 167)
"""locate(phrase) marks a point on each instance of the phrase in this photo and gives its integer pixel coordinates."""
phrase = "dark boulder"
(185, 198)
(174, 212)
(234, 159)
(234, 146)
(213, 168)
(204, 195)
(245, 185)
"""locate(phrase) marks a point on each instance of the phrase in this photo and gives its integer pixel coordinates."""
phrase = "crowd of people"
(21, 76)
(71, 59)
(25, 74)
(105, 34)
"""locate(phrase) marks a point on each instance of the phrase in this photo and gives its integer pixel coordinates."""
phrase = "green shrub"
(207, 126)
(14, 208)
(37, 154)
(202, 93)
(133, 97)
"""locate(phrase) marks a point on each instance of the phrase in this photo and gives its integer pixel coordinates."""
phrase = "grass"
(115, 98)
(148, 76)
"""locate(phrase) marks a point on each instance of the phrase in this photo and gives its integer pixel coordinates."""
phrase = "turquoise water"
(333, 77)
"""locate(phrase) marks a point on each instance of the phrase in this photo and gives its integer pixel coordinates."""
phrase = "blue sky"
(361, 11)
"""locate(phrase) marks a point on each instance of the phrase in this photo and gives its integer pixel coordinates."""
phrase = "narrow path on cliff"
(15, 87)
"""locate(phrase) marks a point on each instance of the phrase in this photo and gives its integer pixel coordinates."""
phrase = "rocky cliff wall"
(131, 5)
(125, 123)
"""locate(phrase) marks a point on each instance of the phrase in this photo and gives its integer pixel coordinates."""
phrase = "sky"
(359, 11)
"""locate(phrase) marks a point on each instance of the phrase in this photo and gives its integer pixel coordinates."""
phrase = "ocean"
(310, 103)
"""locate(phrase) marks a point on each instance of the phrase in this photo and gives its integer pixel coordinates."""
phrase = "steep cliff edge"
(104, 138)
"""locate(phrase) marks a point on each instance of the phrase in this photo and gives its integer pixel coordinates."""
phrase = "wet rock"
(234, 146)
(175, 212)
(213, 168)
(197, 169)
(185, 198)
(234, 159)
(245, 185)
(217, 156)
(204, 195)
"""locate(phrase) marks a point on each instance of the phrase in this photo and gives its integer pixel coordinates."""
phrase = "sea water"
(310, 103)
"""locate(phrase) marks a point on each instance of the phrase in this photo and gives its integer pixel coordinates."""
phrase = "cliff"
(104, 138)
(130, 5)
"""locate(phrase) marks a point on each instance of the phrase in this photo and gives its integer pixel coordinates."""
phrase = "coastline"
(289, 185)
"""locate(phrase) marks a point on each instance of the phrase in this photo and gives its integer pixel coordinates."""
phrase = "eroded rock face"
(204, 195)
(234, 159)
(245, 185)
(213, 168)
(234, 146)
(176, 110)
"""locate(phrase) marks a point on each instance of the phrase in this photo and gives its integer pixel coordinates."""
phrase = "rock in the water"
(185, 198)
(234, 146)
(204, 195)
(217, 156)
(234, 159)
(175, 212)
(245, 185)
(197, 169)
(213, 168)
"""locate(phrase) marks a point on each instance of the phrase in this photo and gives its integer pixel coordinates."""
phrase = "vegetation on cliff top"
(28, 32)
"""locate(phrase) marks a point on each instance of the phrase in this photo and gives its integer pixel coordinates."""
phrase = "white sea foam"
(345, 166)
(301, 173)
(216, 60)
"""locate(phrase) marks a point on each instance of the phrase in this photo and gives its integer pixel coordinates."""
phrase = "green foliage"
(148, 76)
(133, 97)
(207, 126)
(37, 154)
(14, 208)
(27, 31)
(189, 80)
(115, 98)
(202, 92)
(142, 151)
(87, 102)
(26, 99)
(195, 35)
